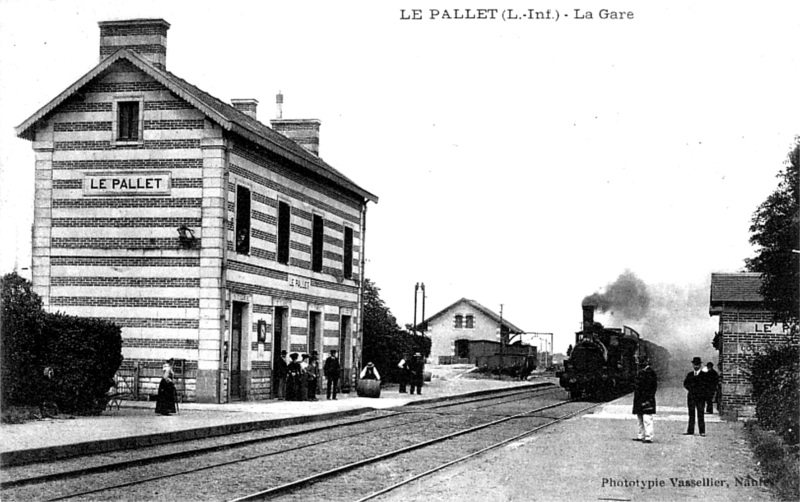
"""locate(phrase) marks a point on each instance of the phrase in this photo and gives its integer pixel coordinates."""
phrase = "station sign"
(299, 282)
(137, 183)
(758, 327)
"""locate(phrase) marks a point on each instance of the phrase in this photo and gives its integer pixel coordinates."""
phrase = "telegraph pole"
(502, 344)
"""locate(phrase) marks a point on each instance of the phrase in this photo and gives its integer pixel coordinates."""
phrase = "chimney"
(304, 132)
(588, 317)
(246, 106)
(147, 37)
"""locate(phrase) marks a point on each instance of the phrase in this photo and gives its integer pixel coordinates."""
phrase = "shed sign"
(127, 184)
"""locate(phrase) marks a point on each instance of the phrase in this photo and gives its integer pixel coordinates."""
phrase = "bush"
(778, 461)
(773, 375)
(81, 355)
(84, 354)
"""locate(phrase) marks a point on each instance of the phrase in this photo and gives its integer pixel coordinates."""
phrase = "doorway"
(237, 325)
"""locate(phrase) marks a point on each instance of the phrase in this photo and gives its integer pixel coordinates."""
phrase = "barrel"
(368, 388)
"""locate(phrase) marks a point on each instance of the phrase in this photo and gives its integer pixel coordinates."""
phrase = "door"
(236, 349)
(277, 343)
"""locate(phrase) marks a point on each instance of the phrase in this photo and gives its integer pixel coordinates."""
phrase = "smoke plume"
(626, 297)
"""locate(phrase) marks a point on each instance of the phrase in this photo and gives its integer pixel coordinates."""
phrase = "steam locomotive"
(604, 361)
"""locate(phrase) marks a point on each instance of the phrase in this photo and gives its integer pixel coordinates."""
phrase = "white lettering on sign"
(127, 183)
(758, 327)
(299, 282)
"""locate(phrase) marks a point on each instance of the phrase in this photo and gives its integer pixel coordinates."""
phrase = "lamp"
(186, 236)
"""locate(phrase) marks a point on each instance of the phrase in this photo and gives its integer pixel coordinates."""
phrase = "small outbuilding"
(746, 327)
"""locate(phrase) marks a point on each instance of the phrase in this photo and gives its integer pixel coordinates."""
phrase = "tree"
(385, 343)
(775, 229)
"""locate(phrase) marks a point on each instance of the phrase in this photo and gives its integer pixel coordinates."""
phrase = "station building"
(452, 328)
(206, 235)
(746, 327)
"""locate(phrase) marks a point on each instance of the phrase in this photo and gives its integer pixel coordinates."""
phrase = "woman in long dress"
(294, 375)
(165, 403)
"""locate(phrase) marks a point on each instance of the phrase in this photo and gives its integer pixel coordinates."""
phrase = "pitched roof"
(741, 287)
(228, 117)
(477, 306)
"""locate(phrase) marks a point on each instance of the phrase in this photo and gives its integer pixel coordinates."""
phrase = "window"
(284, 220)
(459, 321)
(128, 121)
(470, 322)
(348, 253)
(316, 243)
(242, 219)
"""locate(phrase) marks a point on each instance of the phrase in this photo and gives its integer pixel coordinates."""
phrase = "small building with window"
(746, 327)
(452, 328)
(206, 235)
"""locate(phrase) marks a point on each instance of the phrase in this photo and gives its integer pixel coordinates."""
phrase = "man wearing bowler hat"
(697, 385)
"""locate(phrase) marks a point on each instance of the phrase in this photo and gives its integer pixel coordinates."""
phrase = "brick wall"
(118, 257)
(745, 331)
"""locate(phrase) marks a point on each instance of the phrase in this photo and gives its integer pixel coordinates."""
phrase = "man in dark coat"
(696, 383)
(279, 376)
(417, 369)
(331, 370)
(713, 380)
(403, 367)
(644, 400)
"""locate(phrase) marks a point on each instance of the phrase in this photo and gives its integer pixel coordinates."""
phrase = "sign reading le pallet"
(127, 184)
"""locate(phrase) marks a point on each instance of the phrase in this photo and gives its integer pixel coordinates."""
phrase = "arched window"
(459, 321)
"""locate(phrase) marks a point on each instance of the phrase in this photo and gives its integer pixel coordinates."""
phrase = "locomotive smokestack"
(588, 317)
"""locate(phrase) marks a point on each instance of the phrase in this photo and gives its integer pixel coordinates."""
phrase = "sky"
(523, 163)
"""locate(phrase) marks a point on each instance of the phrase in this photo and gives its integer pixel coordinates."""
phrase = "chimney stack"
(246, 106)
(304, 132)
(147, 37)
(588, 317)
(279, 104)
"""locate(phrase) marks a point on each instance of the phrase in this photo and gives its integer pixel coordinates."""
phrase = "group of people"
(299, 380)
(700, 383)
(412, 373)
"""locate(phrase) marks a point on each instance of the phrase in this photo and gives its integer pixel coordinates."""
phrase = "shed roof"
(735, 288)
(228, 117)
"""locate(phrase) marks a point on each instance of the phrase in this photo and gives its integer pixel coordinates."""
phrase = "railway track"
(149, 466)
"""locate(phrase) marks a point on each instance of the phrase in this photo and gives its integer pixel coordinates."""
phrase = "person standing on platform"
(403, 367)
(312, 374)
(165, 401)
(695, 383)
(713, 381)
(279, 372)
(331, 370)
(644, 400)
(304, 358)
(417, 369)
(294, 374)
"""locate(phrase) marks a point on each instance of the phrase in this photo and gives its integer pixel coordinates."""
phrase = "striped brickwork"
(261, 281)
(119, 256)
